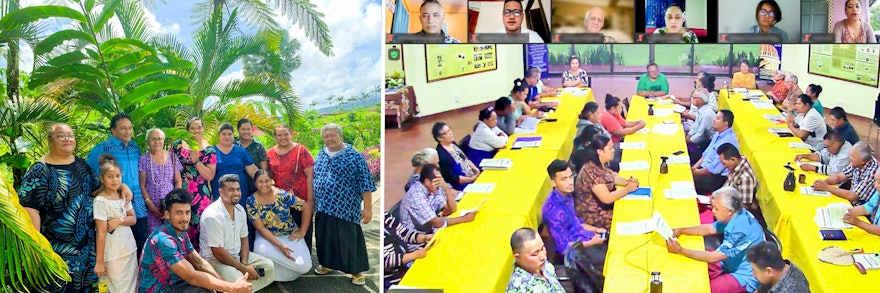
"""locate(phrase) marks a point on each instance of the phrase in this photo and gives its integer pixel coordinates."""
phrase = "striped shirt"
(862, 180)
(834, 163)
(743, 179)
(397, 236)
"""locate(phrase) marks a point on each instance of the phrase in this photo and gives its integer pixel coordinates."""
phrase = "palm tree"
(339, 100)
(350, 100)
(313, 104)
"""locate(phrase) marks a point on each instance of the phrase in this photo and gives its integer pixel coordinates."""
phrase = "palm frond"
(134, 22)
(304, 14)
(256, 14)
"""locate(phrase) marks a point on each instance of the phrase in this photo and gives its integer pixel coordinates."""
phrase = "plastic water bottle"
(656, 284)
(103, 285)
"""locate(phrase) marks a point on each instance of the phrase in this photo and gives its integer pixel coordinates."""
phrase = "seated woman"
(743, 78)
(596, 189)
(768, 14)
(675, 24)
(278, 237)
(780, 89)
(574, 76)
(853, 29)
(487, 138)
(521, 108)
(728, 269)
(579, 155)
(808, 124)
(395, 253)
(454, 164)
(870, 209)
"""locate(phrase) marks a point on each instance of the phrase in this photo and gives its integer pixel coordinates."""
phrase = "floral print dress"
(197, 185)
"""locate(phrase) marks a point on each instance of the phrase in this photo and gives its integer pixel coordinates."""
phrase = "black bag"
(584, 266)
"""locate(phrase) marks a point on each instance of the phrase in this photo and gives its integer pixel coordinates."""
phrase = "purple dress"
(160, 181)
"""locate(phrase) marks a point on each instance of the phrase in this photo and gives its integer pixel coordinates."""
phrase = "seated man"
(171, 264)
(561, 219)
(431, 17)
(513, 15)
(870, 209)
(838, 121)
(395, 254)
(532, 272)
(224, 238)
(709, 173)
(728, 270)
(832, 159)
(614, 122)
(537, 89)
(419, 207)
(653, 83)
(794, 91)
(701, 130)
(504, 109)
(860, 175)
(740, 174)
(774, 273)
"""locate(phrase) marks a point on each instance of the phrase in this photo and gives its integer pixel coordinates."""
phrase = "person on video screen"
(675, 24)
(513, 15)
(594, 21)
(853, 29)
(768, 15)
(431, 16)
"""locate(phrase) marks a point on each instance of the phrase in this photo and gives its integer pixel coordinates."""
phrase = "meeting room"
(612, 19)
(631, 168)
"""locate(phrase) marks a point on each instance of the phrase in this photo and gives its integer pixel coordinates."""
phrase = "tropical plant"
(28, 259)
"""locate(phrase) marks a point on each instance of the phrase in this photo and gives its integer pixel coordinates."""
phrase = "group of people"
(198, 216)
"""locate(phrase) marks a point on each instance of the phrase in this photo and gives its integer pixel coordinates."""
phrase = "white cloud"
(25, 57)
(160, 28)
(357, 41)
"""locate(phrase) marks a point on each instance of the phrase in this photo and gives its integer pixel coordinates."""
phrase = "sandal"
(321, 270)
(358, 279)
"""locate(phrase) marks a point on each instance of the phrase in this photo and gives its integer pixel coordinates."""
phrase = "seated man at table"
(728, 269)
(537, 89)
(740, 175)
(614, 123)
(831, 159)
(561, 219)
(653, 83)
(395, 253)
(709, 172)
(860, 175)
(774, 273)
(794, 91)
(532, 272)
(838, 121)
(504, 109)
(420, 205)
(701, 130)
(870, 209)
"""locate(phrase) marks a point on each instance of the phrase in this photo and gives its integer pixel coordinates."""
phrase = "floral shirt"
(524, 282)
(581, 76)
(688, 36)
(163, 249)
(589, 208)
(275, 216)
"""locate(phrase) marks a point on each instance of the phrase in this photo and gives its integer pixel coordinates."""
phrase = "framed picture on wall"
(450, 61)
(854, 63)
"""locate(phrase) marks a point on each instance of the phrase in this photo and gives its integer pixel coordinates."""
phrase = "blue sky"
(355, 28)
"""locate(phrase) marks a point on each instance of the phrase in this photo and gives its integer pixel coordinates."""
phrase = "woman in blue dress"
(232, 159)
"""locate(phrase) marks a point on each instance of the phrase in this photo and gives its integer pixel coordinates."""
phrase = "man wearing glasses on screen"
(431, 16)
(513, 15)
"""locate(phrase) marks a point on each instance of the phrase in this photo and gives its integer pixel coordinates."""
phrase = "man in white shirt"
(224, 239)
(832, 159)
(513, 15)
(701, 130)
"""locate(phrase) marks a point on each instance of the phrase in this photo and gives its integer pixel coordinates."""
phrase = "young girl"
(114, 216)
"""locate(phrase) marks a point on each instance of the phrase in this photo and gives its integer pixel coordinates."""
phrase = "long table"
(790, 214)
(631, 259)
(476, 256)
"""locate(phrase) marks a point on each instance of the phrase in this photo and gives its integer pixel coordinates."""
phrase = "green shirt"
(818, 106)
(646, 84)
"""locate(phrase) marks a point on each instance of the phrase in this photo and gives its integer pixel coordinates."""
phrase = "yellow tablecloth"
(476, 256)
(631, 259)
(790, 214)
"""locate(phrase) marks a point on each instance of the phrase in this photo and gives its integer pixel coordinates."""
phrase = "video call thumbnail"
(692, 20)
(427, 21)
(613, 20)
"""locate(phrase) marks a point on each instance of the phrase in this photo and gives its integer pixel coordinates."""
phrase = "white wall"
(697, 22)
(855, 98)
(463, 91)
(491, 18)
(737, 16)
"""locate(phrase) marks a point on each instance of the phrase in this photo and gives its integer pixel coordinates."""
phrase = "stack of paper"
(475, 209)
(806, 190)
(634, 166)
(740, 90)
(638, 145)
(702, 199)
(528, 125)
(799, 163)
(799, 145)
(662, 112)
(496, 164)
(831, 216)
(527, 142)
(480, 187)
(656, 223)
(666, 102)
(681, 190)
(869, 261)
(679, 109)
(778, 119)
(665, 129)
(778, 130)
(678, 160)
(763, 105)
(755, 95)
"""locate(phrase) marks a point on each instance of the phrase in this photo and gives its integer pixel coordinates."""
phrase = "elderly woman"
(279, 237)
(159, 173)
(55, 192)
(487, 138)
(292, 166)
(853, 29)
(675, 24)
(743, 78)
(780, 88)
(574, 76)
(419, 159)
(596, 188)
(808, 124)
(728, 270)
(455, 167)
(768, 14)
(342, 183)
(199, 164)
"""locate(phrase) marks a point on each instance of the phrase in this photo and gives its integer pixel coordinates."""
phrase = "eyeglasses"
(157, 139)
(63, 137)
(767, 13)
(515, 12)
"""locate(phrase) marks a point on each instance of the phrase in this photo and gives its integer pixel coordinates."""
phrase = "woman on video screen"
(675, 24)
(768, 15)
(853, 29)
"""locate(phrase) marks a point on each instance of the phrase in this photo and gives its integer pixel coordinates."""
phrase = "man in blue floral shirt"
(532, 273)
